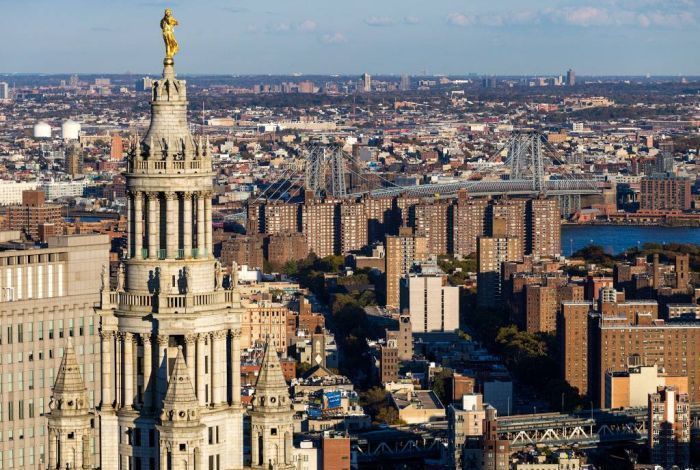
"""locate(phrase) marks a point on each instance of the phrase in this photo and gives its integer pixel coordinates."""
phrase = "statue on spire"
(167, 24)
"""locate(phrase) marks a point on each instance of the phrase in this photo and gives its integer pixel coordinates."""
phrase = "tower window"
(273, 431)
(71, 435)
(183, 447)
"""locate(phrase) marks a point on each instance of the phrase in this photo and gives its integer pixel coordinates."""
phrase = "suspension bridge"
(525, 171)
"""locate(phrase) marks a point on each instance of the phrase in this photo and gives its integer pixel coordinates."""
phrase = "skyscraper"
(570, 77)
(4, 92)
(543, 228)
(491, 253)
(366, 82)
(169, 316)
(405, 83)
(46, 304)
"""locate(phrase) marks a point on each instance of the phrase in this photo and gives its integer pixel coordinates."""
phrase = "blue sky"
(376, 36)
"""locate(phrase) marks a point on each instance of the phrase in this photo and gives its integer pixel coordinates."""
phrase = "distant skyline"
(246, 37)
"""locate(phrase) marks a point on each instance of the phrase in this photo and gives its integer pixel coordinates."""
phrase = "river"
(617, 238)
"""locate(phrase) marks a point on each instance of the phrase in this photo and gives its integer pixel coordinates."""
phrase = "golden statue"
(167, 24)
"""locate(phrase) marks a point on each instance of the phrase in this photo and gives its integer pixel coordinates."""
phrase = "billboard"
(332, 399)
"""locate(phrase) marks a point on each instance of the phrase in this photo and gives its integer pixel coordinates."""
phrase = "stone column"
(130, 250)
(215, 361)
(254, 446)
(198, 465)
(190, 345)
(201, 376)
(163, 457)
(128, 369)
(119, 362)
(162, 380)
(207, 224)
(187, 224)
(153, 225)
(86, 452)
(236, 367)
(147, 369)
(138, 224)
(52, 449)
(106, 337)
(171, 224)
(200, 225)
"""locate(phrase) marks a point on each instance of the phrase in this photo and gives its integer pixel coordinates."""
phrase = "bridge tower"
(324, 159)
(526, 160)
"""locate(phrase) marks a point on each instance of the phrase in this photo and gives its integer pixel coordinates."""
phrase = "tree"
(442, 382)
(303, 368)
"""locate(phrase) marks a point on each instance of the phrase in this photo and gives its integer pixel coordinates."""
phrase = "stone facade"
(170, 316)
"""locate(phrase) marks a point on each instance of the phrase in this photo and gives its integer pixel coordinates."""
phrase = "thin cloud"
(307, 26)
(586, 16)
(460, 19)
(333, 38)
(285, 27)
(380, 21)
(411, 20)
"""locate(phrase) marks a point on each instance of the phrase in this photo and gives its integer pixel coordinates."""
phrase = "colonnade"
(169, 225)
(131, 378)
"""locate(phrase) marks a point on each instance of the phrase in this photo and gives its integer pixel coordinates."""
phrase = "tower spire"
(69, 418)
(181, 427)
(272, 417)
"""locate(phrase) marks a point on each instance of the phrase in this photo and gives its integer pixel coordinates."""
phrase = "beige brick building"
(47, 300)
(401, 251)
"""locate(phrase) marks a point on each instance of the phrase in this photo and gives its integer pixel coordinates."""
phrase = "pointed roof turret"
(271, 390)
(68, 379)
(180, 389)
(270, 376)
(180, 402)
(69, 395)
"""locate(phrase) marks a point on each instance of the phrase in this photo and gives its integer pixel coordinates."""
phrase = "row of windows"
(25, 332)
(21, 410)
(22, 378)
(19, 458)
(31, 356)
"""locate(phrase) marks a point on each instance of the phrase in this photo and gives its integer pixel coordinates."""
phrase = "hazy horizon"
(445, 37)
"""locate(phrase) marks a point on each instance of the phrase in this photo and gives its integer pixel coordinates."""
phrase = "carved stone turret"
(180, 426)
(69, 418)
(271, 419)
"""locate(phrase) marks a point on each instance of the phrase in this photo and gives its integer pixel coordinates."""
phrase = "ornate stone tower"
(271, 419)
(169, 296)
(69, 418)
